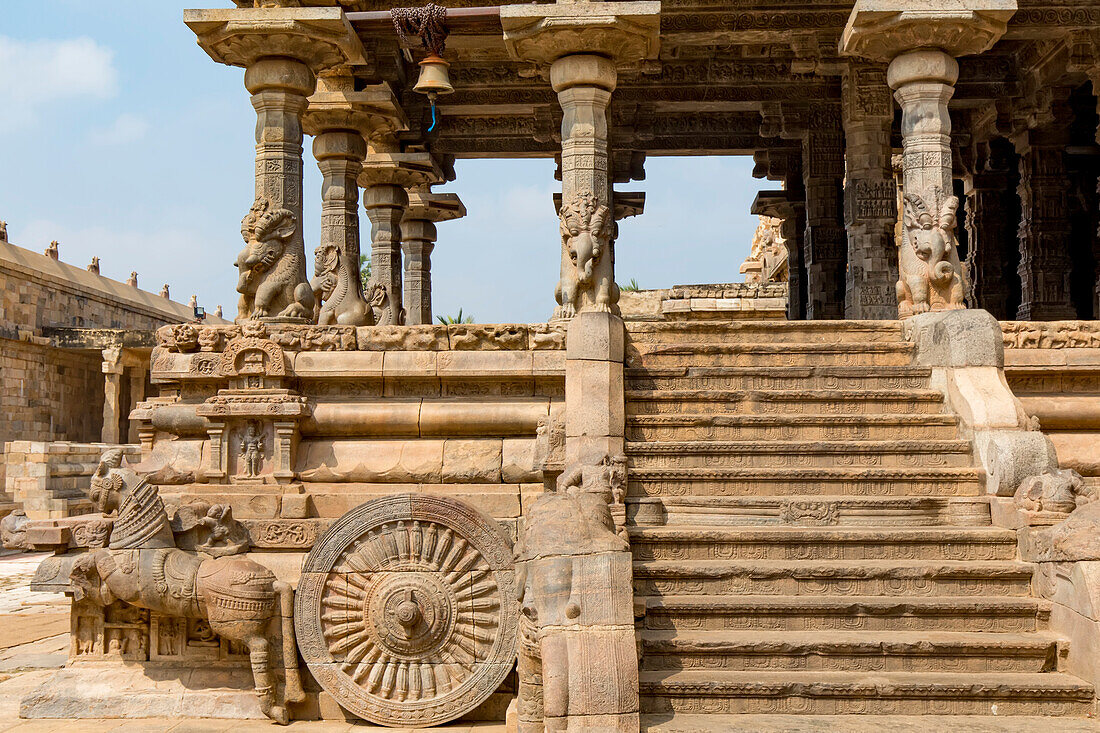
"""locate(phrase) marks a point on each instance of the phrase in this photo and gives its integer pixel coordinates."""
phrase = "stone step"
(703, 426)
(801, 454)
(924, 723)
(897, 693)
(852, 651)
(747, 378)
(769, 354)
(916, 578)
(857, 332)
(851, 482)
(817, 543)
(784, 402)
(691, 613)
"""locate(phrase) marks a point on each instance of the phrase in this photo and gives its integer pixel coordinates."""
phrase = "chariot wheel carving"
(407, 611)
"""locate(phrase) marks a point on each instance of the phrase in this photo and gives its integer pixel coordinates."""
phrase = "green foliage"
(364, 270)
(452, 320)
(631, 288)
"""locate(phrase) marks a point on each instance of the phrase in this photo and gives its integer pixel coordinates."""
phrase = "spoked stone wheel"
(406, 612)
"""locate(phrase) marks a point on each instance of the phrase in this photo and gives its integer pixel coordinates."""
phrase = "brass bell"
(433, 79)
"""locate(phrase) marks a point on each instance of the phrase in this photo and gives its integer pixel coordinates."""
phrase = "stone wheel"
(406, 612)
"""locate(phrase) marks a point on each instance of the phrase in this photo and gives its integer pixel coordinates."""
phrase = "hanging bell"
(433, 79)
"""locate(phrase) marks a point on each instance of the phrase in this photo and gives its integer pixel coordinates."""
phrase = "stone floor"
(34, 641)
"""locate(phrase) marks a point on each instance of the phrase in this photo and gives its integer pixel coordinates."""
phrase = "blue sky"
(120, 138)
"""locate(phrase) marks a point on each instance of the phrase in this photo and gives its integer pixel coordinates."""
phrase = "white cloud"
(36, 73)
(126, 128)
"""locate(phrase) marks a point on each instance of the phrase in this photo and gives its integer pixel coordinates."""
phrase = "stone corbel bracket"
(408, 170)
(965, 350)
(627, 32)
(322, 38)
(372, 112)
(882, 29)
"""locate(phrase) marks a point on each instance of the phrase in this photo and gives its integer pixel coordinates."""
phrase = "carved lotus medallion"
(407, 610)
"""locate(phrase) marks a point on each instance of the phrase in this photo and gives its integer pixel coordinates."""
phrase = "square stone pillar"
(825, 246)
(138, 374)
(385, 178)
(418, 236)
(113, 371)
(992, 219)
(281, 50)
(870, 201)
(1044, 232)
(920, 45)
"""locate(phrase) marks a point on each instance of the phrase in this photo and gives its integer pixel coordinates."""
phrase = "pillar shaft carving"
(920, 44)
(1044, 230)
(825, 244)
(584, 84)
(870, 209)
(385, 180)
(418, 235)
(989, 224)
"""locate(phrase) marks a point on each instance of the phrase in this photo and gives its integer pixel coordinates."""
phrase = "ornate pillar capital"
(880, 30)
(625, 32)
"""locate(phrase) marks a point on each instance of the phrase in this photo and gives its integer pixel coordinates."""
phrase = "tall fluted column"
(418, 235)
(920, 44)
(825, 246)
(870, 209)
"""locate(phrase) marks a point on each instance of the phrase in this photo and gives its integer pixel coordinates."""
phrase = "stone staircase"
(809, 535)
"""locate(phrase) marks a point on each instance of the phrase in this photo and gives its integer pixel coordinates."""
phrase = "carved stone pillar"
(870, 210)
(385, 178)
(418, 235)
(1045, 263)
(340, 118)
(282, 50)
(920, 45)
(825, 245)
(137, 394)
(787, 206)
(113, 371)
(990, 225)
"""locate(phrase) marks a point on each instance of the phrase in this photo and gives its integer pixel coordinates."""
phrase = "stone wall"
(56, 394)
(50, 479)
(1054, 368)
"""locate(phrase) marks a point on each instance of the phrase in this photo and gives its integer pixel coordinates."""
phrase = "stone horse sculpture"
(931, 276)
(142, 566)
(272, 274)
(337, 291)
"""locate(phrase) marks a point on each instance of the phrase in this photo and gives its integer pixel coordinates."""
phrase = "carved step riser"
(957, 660)
(653, 703)
(781, 487)
(972, 587)
(851, 459)
(787, 620)
(766, 360)
(816, 550)
(657, 433)
(840, 408)
(763, 381)
(720, 333)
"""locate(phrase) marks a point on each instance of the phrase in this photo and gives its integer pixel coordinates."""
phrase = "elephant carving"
(271, 277)
(931, 275)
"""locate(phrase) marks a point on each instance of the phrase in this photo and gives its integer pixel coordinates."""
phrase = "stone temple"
(861, 483)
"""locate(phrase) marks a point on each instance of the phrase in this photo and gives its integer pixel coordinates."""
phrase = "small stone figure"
(52, 251)
(13, 531)
(132, 282)
(218, 312)
(3, 231)
(252, 451)
(337, 289)
(226, 536)
(164, 291)
(93, 266)
(586, 226)
(932, 278)
(271, 277)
